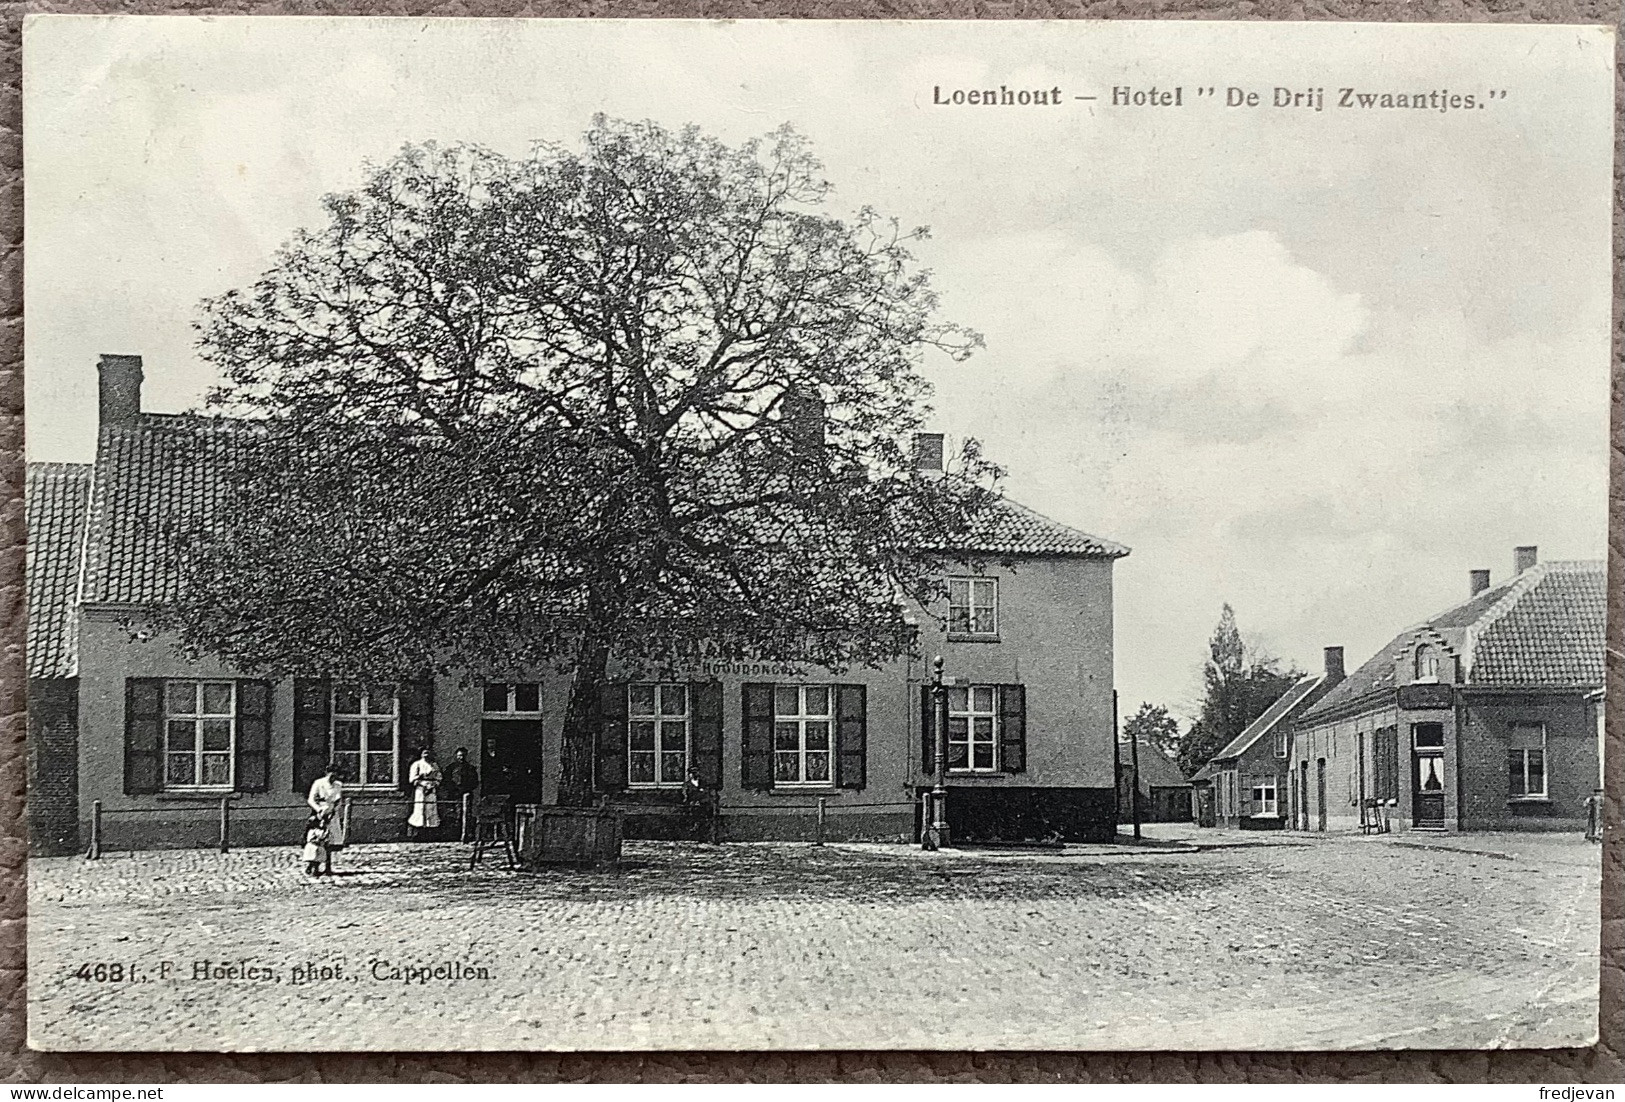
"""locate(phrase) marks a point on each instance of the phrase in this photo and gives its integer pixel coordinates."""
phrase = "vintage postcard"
(815, 535)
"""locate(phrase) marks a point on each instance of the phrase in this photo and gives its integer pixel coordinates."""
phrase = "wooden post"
(468, 811)
(225, 824)
(818, 837)
(95, 853)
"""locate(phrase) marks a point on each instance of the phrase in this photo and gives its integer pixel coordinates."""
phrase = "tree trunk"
(581, 725)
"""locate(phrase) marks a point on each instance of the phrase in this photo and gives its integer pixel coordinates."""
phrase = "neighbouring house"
(167, 744)
(56, 508)
(1483, 717)
(1164, 793)
(1247, 778)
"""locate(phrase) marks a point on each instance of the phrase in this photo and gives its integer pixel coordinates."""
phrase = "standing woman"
(424, 778)
(327, 801)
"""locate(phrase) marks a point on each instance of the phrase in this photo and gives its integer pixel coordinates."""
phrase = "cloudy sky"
(1315, 364)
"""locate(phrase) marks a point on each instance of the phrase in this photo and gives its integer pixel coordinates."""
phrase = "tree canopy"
(1240, 683)
(1154, 729)
(645, 402)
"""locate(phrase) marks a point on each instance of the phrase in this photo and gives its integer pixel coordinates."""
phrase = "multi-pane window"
(366, 732)
(973, 606)
(504, 698)
(1264, 796)
(803, 736)
(658, 735)
(200, 733)
(1526, 761)
(973, 728)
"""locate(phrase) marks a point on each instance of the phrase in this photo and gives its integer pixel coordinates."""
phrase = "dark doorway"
(1303, 795)
(1320, 791)
(511, 759)
(1427, 775)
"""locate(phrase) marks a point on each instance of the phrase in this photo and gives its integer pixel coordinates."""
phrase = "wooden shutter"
(928, 732)
(851, 735)
(253, 736)
(705, 700)
(1013, 728)
(612, 736)
(143, 735)
(416, 702)
(757, 757)
(312, 730)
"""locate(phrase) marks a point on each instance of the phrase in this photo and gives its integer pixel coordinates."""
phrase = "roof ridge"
(1236, 746)
(1487, 619)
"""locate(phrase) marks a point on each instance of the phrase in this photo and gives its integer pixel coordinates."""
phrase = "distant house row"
(1487, 716)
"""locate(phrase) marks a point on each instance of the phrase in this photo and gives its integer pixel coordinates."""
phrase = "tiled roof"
(1286, 707)
(1157, 770)
(56, 505)
(1010, 528)
(1543, 627)
(158, 471)
(149, 476)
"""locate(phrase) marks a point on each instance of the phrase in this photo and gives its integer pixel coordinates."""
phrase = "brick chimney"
(1334, 664)
(1523, 558)
(118, 389)
(928, 451)
(1477, 582)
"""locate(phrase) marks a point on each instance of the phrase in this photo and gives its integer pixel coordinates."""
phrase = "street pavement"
(1242, 941)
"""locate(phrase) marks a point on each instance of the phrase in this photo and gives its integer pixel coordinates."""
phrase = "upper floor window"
(200, 733)
(658, 735)
(973, 606)
(1280, 743)
(1427, 663)
(512, 698)
(366, 732)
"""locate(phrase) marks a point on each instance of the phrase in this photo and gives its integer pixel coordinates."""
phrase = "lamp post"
(936, 835)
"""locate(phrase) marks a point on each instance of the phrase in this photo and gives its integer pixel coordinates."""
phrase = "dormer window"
(1427, 663)
(973, 606)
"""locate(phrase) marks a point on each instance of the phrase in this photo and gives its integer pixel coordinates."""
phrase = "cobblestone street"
(1254, 941)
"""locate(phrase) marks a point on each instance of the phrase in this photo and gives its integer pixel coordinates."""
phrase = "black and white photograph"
(815, 535)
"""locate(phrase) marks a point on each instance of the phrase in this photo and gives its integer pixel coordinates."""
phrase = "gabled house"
(1164, 793)
(1483, 717)
(1247, 778)
(56, 509)
(163, 740)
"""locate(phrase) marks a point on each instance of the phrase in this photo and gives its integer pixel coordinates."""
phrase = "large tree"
(641, 403)
(1154, 729)
(1239, 684)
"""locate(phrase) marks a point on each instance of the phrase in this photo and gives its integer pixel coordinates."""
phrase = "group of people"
(326, 828)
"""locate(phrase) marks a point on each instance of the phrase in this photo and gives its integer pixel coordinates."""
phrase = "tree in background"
(646, 403)
(1240, 683)
(1154, 729)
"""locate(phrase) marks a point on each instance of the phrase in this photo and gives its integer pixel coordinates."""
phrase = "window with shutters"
(366, 733)
(973, 606)
(1526, 762)
(506, 698)
(200, 734)
(803, 736)
(973, 729)
(658, 735)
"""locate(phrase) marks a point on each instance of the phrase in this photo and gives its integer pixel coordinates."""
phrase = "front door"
(1320, 790)
(1427, 775)
(511, 759)
(1427, 788)
(1303, 795)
